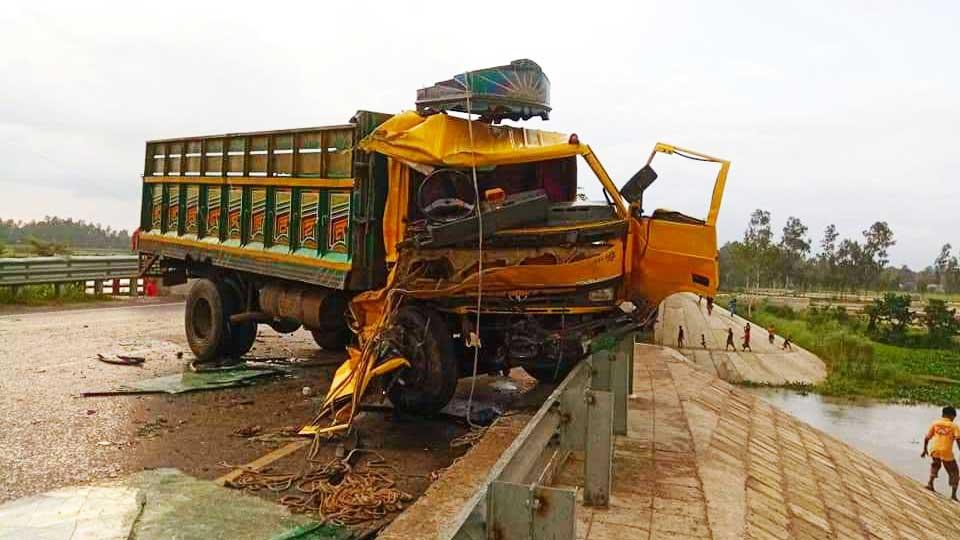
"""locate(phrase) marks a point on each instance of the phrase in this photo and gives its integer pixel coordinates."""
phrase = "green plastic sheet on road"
(157, 505)
(85, 512)
(190, 381)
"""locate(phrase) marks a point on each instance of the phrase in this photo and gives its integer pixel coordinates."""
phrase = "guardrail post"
(134, 286)
(530, 512)
(598, 462)
(116, 286)
(98, 287)
(620, 382)
(601, 373)
(573, 412)
(57, 290)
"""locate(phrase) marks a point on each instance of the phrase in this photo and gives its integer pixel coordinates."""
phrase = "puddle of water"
(892, 433)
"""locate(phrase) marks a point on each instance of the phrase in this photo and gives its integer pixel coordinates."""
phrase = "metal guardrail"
(15, 272)
(582, 414)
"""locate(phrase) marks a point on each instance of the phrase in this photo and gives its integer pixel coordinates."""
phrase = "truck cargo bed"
(293, 203)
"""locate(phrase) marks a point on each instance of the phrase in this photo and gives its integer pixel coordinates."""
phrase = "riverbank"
(891, 432)
(859, 366)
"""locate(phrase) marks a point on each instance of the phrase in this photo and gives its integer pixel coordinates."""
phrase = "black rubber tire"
(429, 384)
(205, 320)
(332, 339)
(241, 337)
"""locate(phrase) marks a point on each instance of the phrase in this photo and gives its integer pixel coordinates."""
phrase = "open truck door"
(672, 252)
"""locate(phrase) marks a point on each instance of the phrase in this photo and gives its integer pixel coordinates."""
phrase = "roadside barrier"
(583, 414)
(117, 272)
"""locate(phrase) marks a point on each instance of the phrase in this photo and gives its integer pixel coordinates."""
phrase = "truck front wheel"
(431, 380)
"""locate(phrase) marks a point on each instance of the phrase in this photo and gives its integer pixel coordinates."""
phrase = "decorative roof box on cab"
(518, 91)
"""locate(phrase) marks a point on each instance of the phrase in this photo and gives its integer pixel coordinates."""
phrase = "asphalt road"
(51, 437)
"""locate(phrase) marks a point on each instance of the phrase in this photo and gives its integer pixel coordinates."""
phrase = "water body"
(892, 433)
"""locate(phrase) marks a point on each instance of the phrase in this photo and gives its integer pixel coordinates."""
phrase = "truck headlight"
(601, 295)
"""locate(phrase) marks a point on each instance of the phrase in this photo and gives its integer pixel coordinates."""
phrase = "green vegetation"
(38, 295)
(834, 263)
(58, 233)
(876, 356)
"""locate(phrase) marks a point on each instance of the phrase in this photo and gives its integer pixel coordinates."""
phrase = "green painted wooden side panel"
(336, 225)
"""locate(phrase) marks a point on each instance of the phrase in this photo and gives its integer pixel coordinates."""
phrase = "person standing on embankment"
(943, 433)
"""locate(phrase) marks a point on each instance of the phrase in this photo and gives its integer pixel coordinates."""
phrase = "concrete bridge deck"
(766, 363)
(705, 460)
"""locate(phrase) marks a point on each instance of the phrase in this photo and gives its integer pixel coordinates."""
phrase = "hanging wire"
(476, 191)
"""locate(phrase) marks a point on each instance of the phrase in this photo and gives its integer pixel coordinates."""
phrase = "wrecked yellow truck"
(432, 244)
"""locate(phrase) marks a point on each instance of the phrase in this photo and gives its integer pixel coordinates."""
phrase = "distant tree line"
(848, 264)
(56, 235)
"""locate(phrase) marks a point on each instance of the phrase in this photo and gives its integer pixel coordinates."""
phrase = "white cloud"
(833, 112)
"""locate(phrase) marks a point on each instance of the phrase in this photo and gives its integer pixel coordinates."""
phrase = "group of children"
(771, 335)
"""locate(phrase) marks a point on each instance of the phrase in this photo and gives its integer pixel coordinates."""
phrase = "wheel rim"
(202, 317)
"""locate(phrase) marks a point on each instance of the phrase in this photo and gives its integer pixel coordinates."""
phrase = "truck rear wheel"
(241, 337)
(210, 333)
(206, 321)
(431, 380)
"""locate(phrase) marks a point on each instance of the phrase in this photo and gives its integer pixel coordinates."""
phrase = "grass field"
(860, 366)
(40, 295)
(26, 250)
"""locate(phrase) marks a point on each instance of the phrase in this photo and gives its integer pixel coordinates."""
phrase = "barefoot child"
(943, 433)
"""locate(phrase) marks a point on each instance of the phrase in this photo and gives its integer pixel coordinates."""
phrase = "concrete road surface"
(766, 363)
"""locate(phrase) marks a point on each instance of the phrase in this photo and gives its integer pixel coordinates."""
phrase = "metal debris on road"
(122, 360)
(189, 382)
(248, 431)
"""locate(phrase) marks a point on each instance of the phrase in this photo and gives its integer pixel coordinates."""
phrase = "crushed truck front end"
(489, 242)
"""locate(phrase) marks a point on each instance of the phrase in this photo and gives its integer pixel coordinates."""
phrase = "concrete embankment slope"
(705, 460)
(766, 363)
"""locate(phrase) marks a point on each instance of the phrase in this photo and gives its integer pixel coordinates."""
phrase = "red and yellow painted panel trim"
(146, 238)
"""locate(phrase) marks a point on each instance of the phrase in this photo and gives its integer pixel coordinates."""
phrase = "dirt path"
(766, 363)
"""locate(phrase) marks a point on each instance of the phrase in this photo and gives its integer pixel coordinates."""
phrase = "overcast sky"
(835, 112)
